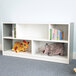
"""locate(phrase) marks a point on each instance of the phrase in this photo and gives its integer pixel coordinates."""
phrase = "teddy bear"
(20, 46)
(52, 49)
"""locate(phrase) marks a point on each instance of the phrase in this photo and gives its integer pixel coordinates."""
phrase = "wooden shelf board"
(60, 41)
(8, 37)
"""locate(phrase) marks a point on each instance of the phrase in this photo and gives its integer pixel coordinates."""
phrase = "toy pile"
(20, 46)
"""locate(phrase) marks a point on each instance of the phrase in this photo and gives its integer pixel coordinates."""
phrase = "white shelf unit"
(37, 34)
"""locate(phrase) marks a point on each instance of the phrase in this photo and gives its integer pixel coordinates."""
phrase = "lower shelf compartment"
(60, 59)
(20, 46)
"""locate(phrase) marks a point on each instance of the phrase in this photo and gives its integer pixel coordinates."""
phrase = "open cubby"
(39, 44)
(62, 27)
(8, 30)
(37, 34)
(8, 44)
(32, 31)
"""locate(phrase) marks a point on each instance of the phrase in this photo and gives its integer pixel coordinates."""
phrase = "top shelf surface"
(36, 23)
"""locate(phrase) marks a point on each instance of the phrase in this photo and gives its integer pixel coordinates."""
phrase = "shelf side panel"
(71, 38)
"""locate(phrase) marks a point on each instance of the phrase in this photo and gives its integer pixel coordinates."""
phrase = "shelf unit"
(37, 34)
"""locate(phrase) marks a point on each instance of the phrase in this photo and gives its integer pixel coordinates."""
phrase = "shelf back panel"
(32, 31)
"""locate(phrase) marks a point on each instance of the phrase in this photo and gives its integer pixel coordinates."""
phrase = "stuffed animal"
(16, 45)
(52, 49)
(20, 46)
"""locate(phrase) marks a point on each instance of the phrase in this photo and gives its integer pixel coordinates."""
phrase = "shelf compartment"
(32, 31)
(8, 30)
(38, 44)
(8, 44)
(62, 27)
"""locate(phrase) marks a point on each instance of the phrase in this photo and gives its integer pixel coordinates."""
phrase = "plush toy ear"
(28, 42)
(24, 41)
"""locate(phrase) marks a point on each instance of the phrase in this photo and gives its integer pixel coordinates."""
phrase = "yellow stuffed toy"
(16, 45)
(20, 46)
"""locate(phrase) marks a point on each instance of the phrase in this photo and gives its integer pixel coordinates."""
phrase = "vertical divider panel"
(13, 30)
(69, 32)
(17, 27)
(32, 47)
(50, 33)
(2, 39)
(68, 41)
